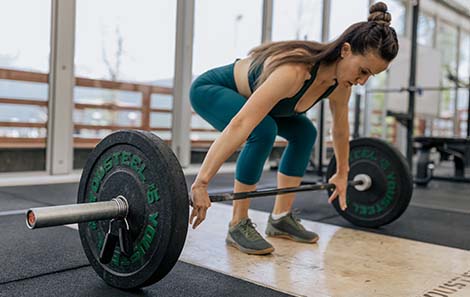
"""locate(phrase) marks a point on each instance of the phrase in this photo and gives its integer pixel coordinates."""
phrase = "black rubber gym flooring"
(50, 262)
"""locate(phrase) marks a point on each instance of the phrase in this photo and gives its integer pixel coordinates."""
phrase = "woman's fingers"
(198, 215)
(333, 196)
(342, 201)
(342, 198)
(193, 215)
(200, 218)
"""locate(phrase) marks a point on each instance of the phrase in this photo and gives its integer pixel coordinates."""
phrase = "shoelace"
(249, 229)
(295, 216)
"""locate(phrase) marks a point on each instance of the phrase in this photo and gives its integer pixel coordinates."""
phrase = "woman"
(267, 94)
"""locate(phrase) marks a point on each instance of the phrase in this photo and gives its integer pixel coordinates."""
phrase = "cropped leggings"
(215, 98)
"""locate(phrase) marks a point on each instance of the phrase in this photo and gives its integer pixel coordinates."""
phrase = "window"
(447, 45)
(464, 76)
(297, 20)
(340, 21)
(220, 38)
(25, 27)
(397, 9)
(426, 28)
(124, 64)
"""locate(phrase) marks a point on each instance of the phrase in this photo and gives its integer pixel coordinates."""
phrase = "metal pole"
(456, 123)
(321, 136)
(412, 84)
(119, 208)
(357, 115)
(468, 110)
(76, 213)
(267, 28)
(325, 36)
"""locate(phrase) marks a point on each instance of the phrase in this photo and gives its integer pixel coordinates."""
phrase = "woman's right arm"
(283, 82)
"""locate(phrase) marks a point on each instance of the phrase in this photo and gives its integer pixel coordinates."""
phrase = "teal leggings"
(215, 98)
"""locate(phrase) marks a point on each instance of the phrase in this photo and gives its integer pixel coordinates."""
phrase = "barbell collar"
(42, 217)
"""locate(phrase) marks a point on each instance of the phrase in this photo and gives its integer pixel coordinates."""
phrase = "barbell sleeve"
(42, 217)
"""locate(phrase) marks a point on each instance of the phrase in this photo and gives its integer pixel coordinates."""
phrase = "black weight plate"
(141, 167)
(392, 184)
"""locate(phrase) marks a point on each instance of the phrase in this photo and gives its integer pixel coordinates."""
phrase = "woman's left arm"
(339, 107)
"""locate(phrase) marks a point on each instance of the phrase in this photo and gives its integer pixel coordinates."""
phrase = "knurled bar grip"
(268, 192)
(76, 213)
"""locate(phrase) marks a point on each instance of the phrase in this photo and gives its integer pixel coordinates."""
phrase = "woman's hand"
(341, 183)
(200, 203)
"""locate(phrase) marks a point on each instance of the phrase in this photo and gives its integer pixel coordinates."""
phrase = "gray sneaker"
(244, 237)
(289, 227)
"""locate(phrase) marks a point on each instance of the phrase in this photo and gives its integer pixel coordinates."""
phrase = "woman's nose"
(362, 80)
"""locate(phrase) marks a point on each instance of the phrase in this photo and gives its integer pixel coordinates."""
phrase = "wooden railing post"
(146, 100)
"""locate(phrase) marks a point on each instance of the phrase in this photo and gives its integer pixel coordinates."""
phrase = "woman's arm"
(283, 82)
(340, 132)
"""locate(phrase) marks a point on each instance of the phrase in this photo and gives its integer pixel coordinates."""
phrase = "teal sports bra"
(285, 107)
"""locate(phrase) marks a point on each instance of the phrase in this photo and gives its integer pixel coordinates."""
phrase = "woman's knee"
(197, 94)
(304, 135)
(265, 132)
(309, 134)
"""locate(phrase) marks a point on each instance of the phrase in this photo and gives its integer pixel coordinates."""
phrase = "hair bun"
(378, 13)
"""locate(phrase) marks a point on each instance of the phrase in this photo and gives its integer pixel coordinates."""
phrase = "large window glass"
(426, 28)
(124, 64)
(297, 20)
(223, 31)
(343, 14)
(464, 77)
(380, 125)
(397, 9)
(447, 43)
(25, 27)
(346, 13)
(221, 37)
(357, 11)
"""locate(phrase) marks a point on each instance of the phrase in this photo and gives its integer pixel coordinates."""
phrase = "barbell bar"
(118, 207)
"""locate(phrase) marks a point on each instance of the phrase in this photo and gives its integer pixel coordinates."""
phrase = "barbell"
(133, 205)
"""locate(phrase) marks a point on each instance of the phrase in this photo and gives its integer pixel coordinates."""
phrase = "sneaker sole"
(229, 240)
(273, 232)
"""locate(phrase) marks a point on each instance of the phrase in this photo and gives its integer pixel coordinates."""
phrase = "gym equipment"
(133, 203)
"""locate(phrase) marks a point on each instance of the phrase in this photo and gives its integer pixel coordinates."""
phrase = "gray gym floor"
(50, 262)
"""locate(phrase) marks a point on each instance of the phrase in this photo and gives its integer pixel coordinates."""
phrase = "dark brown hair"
(376, 34)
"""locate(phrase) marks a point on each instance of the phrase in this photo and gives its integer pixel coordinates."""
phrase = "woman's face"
(355, 69)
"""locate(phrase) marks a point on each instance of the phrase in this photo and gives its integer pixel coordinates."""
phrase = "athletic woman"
(266, 94)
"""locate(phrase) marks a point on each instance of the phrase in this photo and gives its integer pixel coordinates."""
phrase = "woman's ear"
(345, 50)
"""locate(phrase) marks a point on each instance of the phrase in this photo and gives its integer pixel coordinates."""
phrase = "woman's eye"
(363, 72)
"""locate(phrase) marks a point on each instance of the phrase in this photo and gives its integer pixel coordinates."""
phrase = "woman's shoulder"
(296, 73)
